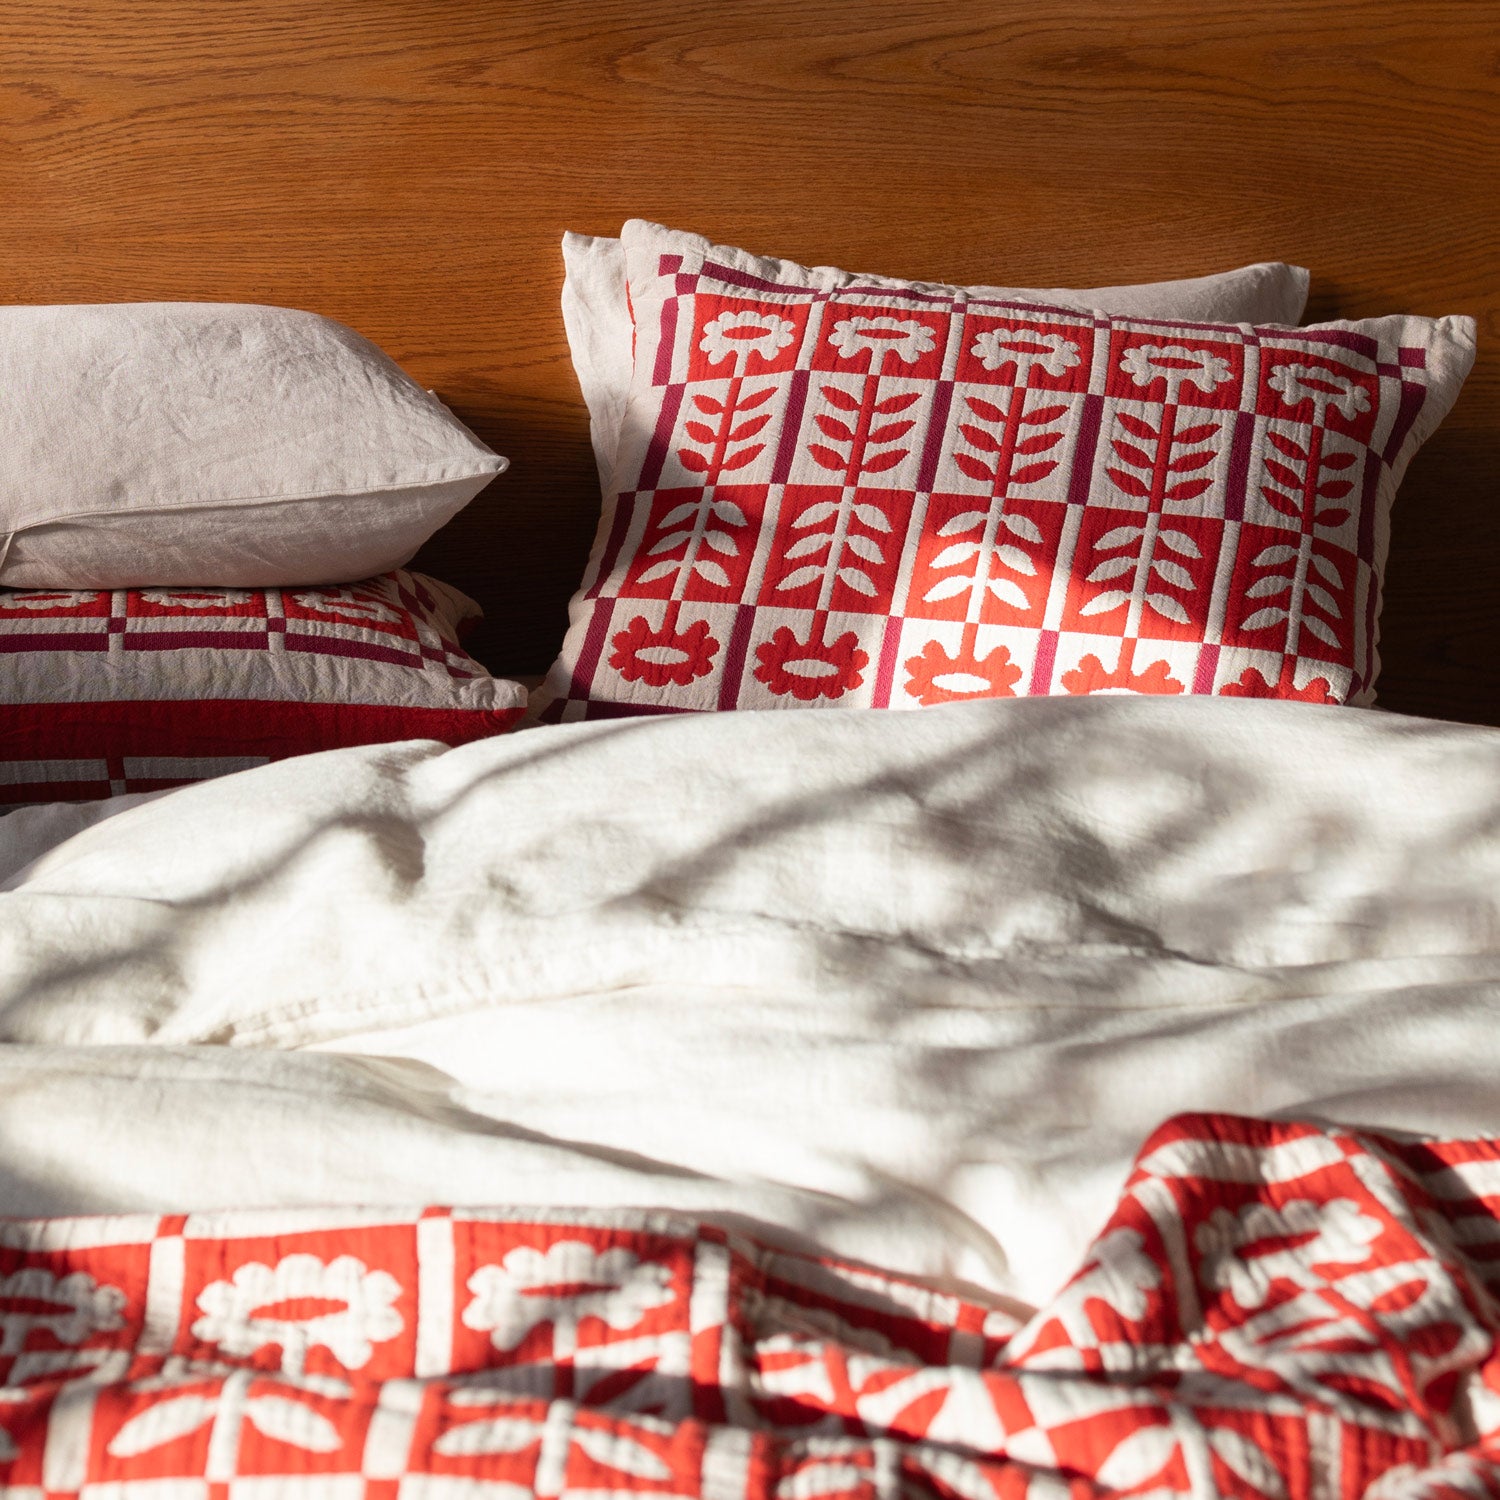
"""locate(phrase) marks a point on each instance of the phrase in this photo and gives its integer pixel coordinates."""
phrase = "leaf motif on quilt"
(1302, 484)
(495, 1435)
(1159, 571)
(161, 1423)
(1247, 1462)
(293, 1423)
(999, 561)
(737, 335)
(1138, 1457)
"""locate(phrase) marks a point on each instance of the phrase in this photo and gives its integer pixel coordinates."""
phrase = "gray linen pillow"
(215, 443)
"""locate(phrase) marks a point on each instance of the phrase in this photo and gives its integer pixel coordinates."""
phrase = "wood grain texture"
(408, 166)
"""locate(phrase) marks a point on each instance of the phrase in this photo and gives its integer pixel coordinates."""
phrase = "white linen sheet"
(913, 987)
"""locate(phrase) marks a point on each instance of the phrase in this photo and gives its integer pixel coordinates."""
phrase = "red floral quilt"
(1276, 1311)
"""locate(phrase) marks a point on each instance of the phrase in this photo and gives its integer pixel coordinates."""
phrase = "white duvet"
(912, 986)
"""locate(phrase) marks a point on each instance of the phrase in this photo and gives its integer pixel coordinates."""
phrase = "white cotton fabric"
(212, 443)
(596, 316)
(914, 987)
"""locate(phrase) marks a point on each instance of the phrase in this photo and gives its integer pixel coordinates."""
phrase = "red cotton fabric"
(851, 491)
(1275, 1311)
(131, 690)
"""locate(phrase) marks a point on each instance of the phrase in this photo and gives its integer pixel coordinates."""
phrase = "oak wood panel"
(408, 166)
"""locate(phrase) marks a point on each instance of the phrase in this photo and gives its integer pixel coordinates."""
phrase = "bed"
(1039, 1095)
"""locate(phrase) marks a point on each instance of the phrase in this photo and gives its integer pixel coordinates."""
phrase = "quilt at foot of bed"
(1274, 1310)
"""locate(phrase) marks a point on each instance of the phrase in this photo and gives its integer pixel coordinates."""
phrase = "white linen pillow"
(596, 316)
(215, 444)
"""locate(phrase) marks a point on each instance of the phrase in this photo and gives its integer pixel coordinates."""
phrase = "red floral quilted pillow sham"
(136, 689)
(854, 491)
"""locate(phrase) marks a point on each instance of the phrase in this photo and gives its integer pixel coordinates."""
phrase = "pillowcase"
(856, 491)
(196, 443)
(596, 315)
(135, 689)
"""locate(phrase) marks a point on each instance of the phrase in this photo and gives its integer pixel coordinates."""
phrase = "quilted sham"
(852, 491)
(128, 690)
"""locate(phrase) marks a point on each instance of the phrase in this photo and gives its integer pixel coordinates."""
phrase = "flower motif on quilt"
(9, 1449)
(1026, 349)
(70, 1307)
(352, 1309)
(562, 1286)
(1092, 677)
(738, 335)
(659, 657)
(934, 676)
(278, 1417)
(1296, 384)
(879, 338)
(196, 599)
(814, 668)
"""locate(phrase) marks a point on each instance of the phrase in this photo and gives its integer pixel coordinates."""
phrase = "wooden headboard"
(408, 166)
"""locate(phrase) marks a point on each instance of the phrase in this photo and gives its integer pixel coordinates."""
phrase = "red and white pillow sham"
(856, 491)
(109, 691)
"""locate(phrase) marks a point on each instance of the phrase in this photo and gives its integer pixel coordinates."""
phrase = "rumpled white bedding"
(911, 986)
